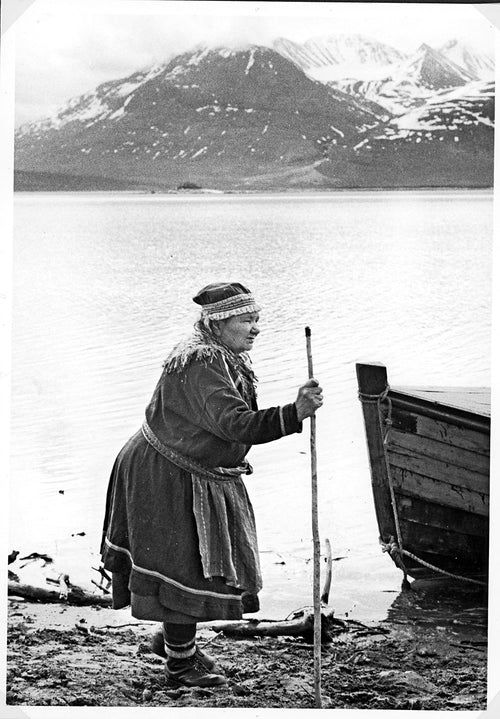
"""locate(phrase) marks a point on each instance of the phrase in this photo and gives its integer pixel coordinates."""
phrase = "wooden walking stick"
(316, 543)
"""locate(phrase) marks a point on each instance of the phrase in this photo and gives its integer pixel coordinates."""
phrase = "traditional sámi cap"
(225, 299)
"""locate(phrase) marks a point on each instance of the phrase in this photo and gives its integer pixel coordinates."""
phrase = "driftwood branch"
(99, 586)
(328, 579)
(302, 627)
(72, 595)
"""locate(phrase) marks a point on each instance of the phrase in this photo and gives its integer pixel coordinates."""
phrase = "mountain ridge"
(242, 118)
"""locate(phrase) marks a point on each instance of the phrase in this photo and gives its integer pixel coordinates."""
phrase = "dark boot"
(186, 664)
(191, 672)
(158, 647)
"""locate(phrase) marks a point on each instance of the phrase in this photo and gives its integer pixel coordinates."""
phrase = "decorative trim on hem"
(168, 580)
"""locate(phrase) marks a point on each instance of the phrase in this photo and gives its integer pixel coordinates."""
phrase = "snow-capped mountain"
(411, 82)
(455, 129)
(456, 111)
(252, 118)
(215, 113)
(452, 115)
(340, 56)
(431, 69)
(109, 101)
(477, 62)
(376, 72)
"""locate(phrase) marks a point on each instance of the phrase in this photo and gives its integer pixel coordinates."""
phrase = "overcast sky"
(64, 49)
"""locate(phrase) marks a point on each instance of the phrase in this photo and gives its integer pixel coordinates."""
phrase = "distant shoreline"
(286, 191)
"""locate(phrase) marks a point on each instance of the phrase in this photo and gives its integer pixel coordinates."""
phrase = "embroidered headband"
(225, 299)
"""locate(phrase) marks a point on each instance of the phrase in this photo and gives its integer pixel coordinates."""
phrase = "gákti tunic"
(179, 530)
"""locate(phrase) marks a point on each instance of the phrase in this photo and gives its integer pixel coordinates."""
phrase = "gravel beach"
(429, 653)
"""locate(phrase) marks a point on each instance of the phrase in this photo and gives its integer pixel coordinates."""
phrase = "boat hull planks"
(434, 457)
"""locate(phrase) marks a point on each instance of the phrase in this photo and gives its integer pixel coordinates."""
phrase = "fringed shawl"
(204, 346)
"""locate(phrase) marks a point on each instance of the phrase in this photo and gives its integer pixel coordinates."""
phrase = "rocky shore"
(426, 654)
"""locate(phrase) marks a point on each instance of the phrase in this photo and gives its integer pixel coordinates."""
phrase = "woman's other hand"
(309, 399)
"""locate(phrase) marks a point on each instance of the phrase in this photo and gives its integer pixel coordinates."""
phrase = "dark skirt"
(150, 543)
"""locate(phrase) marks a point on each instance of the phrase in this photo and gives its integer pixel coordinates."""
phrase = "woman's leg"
(186, 664)
(179, 639)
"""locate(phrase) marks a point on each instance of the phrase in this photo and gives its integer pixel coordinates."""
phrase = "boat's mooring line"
(392, 548)
(397, 550)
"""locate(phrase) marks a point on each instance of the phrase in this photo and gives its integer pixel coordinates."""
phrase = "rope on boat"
(394, 550)
(397, 551)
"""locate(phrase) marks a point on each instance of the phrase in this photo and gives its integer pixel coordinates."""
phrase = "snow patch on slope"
(251, 61)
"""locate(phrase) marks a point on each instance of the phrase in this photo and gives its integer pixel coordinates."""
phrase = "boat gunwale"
(440, 411)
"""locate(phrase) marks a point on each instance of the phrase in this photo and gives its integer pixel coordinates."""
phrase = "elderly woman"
(179, 531)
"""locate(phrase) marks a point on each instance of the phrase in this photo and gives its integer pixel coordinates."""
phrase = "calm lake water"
(102, 290)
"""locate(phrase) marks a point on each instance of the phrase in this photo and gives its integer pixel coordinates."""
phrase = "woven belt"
(220, 474)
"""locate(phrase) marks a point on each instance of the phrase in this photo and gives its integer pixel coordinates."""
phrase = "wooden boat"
(429, 458)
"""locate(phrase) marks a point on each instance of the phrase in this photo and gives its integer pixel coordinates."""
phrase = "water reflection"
(458, 607)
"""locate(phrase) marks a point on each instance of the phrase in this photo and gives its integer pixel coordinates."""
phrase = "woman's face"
(239, 332)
